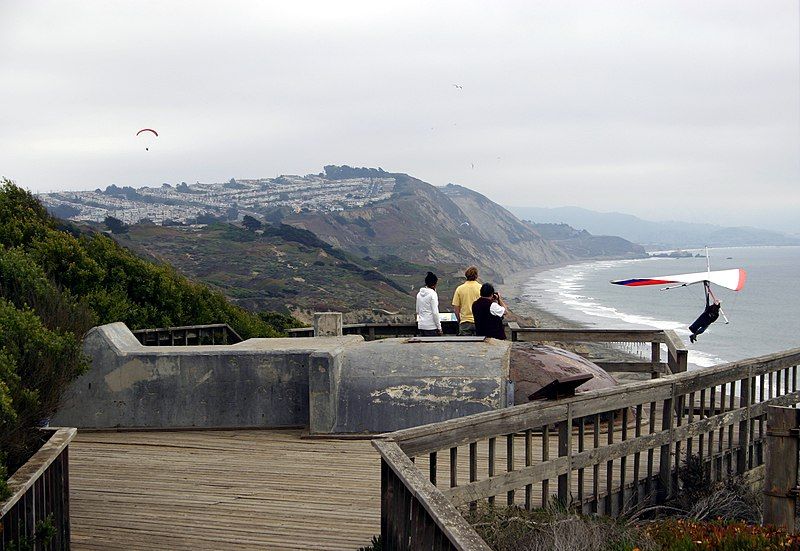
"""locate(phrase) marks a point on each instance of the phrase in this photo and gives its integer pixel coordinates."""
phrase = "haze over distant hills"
(654, 235)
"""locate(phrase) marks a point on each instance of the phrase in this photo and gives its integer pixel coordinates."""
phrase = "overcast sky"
(667, 110)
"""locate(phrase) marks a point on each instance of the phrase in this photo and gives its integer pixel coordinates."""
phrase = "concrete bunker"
(337, 384)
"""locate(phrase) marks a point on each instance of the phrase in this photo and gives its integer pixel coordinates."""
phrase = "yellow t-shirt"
(467, 293)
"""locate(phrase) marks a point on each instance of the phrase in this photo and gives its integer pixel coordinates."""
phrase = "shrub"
(36, 365)
(702, 498)
(556, 529)
(55, 284)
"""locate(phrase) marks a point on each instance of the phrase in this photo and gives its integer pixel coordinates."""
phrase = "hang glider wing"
(730, 279)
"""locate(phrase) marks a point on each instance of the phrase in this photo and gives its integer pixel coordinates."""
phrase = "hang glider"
(730, 279)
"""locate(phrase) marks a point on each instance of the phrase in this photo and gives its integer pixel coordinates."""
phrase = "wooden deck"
(244, 489)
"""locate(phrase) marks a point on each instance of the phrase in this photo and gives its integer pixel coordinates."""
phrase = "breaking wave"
(561, 291)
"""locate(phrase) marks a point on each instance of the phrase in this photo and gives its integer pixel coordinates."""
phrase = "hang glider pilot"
(709, 315)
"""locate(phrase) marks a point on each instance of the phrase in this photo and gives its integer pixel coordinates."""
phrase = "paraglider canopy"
(147, 130)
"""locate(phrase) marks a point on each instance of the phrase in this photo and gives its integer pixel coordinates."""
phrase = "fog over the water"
(663, 109)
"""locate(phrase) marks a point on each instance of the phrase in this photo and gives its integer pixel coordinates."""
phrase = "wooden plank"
(634, 367)
(535, 334)
(507, 481)
(213, 485)
(781, 468)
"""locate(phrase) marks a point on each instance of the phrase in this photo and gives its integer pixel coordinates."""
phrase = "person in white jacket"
(428, 321)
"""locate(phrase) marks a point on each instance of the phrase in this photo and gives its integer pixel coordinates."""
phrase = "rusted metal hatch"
(542, 371)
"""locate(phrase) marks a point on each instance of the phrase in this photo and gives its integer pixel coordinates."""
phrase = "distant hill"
(280, 268)
(582, 244)
(654, 235)
(503, 227)
(367, 212)
(425, 224)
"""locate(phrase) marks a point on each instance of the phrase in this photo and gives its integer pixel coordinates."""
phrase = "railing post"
(781, 479)
(746, 389)
(565, 450)
(665, 459)
(655, 357)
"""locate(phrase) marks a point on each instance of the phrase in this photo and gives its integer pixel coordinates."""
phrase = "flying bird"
(459, 87)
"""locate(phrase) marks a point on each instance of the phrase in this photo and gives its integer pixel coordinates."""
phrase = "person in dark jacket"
(709, 315)
(488, 311)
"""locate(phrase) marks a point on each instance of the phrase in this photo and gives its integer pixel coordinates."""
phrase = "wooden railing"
(606, 450)
(676, 360)
(40, 498)
(189, 335)
(372, 331)
(677, 355)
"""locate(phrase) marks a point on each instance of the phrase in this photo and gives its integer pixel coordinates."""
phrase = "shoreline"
(526, 312)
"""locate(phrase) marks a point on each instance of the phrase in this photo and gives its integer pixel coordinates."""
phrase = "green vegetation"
(279, 268)
(55, 284)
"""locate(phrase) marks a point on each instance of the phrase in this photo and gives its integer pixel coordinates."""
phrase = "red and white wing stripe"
(730, 279)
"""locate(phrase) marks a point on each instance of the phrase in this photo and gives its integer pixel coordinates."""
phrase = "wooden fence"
(676, 359)
(372, 331)
(604, 451)
(189, 335)
(40, 498)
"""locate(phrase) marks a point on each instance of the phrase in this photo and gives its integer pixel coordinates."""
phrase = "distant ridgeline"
(333, 172)
(655, 235)
(56, 282)
(354, 239)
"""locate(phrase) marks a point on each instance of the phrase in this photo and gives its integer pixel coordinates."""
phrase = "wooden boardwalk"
(244, 489)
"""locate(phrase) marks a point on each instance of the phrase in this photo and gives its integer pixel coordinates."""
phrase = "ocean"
(763, 315)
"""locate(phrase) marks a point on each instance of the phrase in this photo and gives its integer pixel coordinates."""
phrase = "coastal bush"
(56, 282)
(36, 365)
(555, 529)
(701, 498)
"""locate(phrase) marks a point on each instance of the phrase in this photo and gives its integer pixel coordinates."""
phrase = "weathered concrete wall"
(331, 384)
(392, 384)
(256, 383)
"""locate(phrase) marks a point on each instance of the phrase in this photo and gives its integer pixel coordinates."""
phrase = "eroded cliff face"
(569, 241)
(429, 225)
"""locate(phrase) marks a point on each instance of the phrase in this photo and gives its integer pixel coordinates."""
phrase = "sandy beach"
(524, 311)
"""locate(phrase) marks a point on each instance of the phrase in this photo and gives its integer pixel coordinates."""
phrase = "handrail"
(25, 476)
(195, 332)
(40, 496)
(427, 438)
(718, 413)
(449, 522)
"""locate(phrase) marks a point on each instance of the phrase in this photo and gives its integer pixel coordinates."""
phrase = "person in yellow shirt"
(467, 293)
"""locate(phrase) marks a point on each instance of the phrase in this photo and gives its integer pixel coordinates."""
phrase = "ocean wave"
(564, 285)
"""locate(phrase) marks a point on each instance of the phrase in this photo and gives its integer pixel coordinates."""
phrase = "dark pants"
(702, 323)
(466, 328)
(428, 333)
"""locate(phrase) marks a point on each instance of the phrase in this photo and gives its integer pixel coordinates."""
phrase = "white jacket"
(428, 309)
